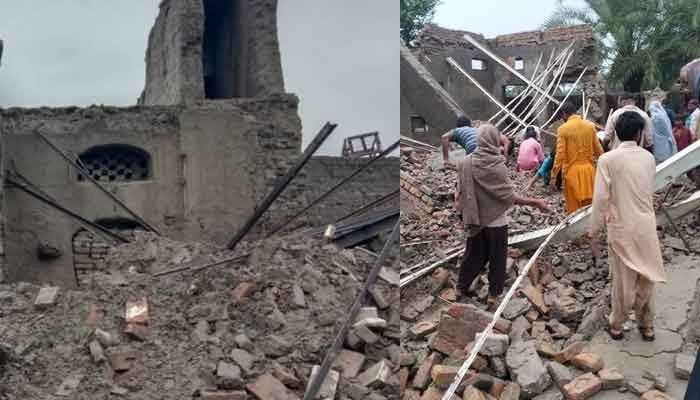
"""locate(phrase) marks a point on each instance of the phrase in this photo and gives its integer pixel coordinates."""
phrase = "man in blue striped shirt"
(464, 135)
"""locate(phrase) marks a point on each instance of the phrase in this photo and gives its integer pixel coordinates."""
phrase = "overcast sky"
(496, 17)
(340, 59)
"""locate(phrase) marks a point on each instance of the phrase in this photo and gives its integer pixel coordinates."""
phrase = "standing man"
(465, 136)
(691, 121)
(629, 103)
(577, 148)
(484, 194)
(623, 201)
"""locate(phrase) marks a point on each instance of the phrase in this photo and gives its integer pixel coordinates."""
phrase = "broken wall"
(248, 59)
(435, 44)
(209, 166)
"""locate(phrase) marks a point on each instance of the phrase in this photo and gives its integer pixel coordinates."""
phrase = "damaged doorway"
(223, 55)
(90, 250)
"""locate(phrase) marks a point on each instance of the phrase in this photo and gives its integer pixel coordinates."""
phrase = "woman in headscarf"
(662, 132)
(484, 195)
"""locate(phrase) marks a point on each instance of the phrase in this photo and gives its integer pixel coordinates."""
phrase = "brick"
(511, 391)
(105, 338)
(422, 329)
(243, 359)
(570, 352)
(655, 395)
(121, 360)
(365, 334)
(546, 349)
(376, 323)
(223, 395)
(403, 379)
(298, 298)
(422, 377)
(285, 375)
(683, 365)
(472, 393)
(611, 378)
(443, 375)
(267, 387)
(137, 311)
(411, 394)
(95, 315)
(138, 331)
(453, 334)
(588, 362)
(536, 298)
(46, 297)
(559, 373)
(329, 385)
(97, 352)
(480, 317)
(376, 376)
(582, 387)
(434, 393)
(348, 363)
(242, 291)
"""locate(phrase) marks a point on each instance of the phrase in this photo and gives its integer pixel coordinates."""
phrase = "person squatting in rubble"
(484, 194)
(465, 135)
(530, 152)
(577, 149)
(623, 202)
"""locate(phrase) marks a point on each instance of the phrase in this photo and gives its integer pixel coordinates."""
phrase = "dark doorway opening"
(222, 54)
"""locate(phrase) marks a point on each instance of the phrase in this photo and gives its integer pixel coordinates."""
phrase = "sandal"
(647, 334)
(615, 336)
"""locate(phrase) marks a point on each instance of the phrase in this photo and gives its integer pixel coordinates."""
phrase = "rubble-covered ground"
(546, 345)
(253, 328)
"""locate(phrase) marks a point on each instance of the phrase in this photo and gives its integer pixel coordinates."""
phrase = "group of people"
(618, 184)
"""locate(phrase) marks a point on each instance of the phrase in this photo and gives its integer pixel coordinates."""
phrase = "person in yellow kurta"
(624, 202)
(577, 149)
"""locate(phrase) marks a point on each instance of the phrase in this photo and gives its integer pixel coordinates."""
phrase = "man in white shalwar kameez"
(623, 202)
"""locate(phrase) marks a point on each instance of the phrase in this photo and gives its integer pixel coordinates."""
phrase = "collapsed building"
(427, 113)
(212, 131)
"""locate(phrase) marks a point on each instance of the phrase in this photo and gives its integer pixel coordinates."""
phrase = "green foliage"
(414, 15)
(642, 43)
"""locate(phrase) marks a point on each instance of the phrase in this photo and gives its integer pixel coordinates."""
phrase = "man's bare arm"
(445, 141)
(506, 145)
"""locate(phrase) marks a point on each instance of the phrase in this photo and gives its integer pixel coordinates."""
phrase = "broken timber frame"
(27, 188)
(331, 354)
(508, 67)
(282, 183)
(89, 177)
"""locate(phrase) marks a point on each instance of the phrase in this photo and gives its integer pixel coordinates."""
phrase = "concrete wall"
(174, 68)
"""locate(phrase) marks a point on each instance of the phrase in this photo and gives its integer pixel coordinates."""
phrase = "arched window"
(116, 163)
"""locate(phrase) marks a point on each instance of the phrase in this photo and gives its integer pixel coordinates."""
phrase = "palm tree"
(642, 43)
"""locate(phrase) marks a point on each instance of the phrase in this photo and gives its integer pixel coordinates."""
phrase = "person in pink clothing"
(530, 153)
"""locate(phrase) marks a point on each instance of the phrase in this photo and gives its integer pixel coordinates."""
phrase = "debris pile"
(255, 328)
(539, 346)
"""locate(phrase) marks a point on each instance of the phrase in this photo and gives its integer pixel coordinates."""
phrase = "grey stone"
(516, 307)
(243, 359)
(298, 297)
(495, 344)
(46, 297)
(498, 365)
(229, 376)
(683, 366)
(560, 373)
(105, 338)
(526, 368)
(97, 352)
(243, 342)
(69, 385)
(375, 376)
(639, 385)
(660, 381)
(329, 385)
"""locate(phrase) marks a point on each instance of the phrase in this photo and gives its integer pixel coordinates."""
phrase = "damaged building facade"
(433, 93)
(212, 130)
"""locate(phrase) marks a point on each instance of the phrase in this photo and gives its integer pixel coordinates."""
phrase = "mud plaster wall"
(322, 173)
(209, 168)
(174, 70)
